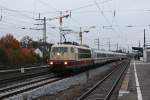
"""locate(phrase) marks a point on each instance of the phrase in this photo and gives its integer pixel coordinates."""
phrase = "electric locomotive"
(72, 56)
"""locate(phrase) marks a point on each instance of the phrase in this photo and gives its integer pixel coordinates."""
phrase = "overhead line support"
(44, 34)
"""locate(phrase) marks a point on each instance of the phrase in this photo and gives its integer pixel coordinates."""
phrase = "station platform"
(136, 84)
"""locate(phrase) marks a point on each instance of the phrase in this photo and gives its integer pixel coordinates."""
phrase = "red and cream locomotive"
(70, 56)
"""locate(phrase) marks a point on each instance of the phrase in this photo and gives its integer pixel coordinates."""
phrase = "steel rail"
(22, 77)
(96, 85)
(116, 83)
(27, 88)
(25, 83)
(82, 97)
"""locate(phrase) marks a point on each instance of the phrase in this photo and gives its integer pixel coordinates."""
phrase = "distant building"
(146, 55)
(36, 51)
(137, 52)
(27, 50)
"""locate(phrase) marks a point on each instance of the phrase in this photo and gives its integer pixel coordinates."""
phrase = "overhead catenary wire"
(73, 9)
(107, 20)
(15, 11)
(114, 23)
(48, 5)
(10, 24)
(102, 13)
(19, 20)
(89, 5)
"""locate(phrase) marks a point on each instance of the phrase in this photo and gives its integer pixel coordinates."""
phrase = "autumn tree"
(2, 56)
(12, 48)
(9, 42)
(11, 52)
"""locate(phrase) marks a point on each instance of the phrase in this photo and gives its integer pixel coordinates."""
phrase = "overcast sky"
(128, 19)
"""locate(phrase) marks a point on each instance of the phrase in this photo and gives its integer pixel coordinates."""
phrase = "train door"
(72, 53)
(76, 53)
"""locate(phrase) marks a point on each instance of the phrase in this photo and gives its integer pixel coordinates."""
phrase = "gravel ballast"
(67, 89)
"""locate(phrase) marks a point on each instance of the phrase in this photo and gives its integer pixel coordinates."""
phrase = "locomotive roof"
(70, 45)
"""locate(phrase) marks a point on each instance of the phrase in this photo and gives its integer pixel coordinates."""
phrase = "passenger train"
(71, 56)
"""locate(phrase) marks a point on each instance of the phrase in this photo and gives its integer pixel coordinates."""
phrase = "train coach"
(100, 57)
(72, 56)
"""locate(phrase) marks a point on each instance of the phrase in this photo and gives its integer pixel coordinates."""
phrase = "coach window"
(83, 53)
(72, 49)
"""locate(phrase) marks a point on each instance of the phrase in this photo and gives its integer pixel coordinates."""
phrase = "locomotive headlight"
(58, 54)
(51, 63)
(65, 62)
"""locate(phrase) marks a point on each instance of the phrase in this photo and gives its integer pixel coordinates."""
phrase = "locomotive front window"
(60, 49)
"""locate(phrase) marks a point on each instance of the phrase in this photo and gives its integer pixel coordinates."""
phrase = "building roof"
(27, 50)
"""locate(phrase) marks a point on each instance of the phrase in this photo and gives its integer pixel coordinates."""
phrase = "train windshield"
(60, 49)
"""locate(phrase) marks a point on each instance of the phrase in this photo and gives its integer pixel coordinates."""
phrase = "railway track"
(26, 86)
(27, 82)
(10, 76)
(104, 88)
(41, 81)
